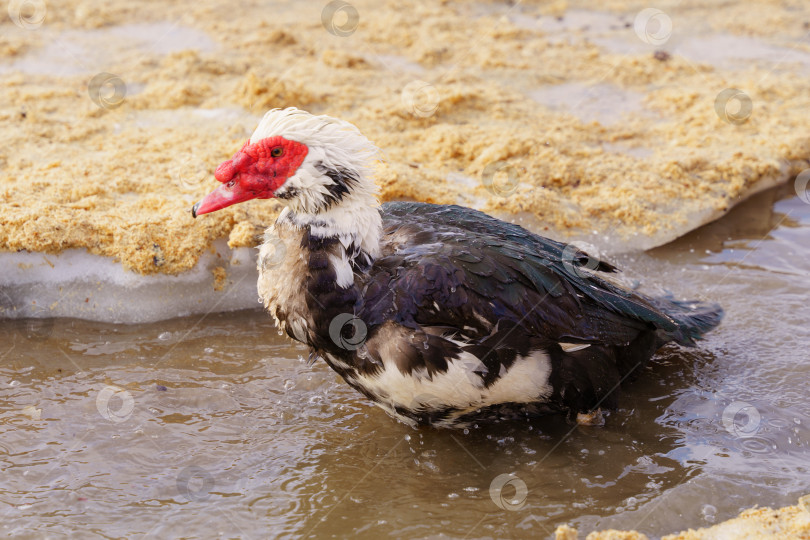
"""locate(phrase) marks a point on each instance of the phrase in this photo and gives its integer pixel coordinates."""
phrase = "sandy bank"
(791, 522)
(580, 124)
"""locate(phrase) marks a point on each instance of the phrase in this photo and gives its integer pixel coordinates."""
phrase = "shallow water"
(216, 425)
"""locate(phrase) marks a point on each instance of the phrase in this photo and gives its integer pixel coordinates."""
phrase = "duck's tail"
(693, 318)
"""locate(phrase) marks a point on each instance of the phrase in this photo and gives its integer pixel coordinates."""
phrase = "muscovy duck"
(439, 314)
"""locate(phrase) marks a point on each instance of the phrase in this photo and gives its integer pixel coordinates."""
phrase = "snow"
(77, 284)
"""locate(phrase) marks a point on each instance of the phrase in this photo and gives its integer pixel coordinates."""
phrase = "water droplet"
(452, 289)
(165, 336)
(709, 513)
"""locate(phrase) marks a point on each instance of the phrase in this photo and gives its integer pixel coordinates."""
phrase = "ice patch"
(604, 102)
(77, 284)
(728, 51)
(614, 32)
(396, 63)
(74, 52)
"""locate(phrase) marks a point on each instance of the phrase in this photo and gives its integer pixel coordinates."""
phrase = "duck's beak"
(222, 197)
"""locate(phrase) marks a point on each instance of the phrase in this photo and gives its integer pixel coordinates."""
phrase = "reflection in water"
(216, 423)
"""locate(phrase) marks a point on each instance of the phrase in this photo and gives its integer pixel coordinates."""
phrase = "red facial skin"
(253, 173)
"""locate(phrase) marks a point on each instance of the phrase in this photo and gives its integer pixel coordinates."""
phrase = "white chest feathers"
(283, 269)
(283, 266)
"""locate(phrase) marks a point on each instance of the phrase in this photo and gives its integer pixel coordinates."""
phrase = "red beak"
(232, 190)
(221, 197)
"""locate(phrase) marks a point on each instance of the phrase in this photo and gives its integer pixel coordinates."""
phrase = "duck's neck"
(309, 263)
(355, 222)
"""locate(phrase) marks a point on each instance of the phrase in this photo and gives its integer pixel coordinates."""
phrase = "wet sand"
(579, 124)
(754, 524)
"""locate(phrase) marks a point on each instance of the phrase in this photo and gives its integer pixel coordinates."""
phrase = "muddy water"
(216, 425)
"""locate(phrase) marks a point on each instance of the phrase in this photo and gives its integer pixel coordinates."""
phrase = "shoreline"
(569, 121)
(753, 524)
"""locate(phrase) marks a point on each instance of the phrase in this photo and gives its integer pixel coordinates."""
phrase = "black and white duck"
(439, 314)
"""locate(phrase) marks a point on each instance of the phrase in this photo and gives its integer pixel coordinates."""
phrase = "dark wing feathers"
(480, 270)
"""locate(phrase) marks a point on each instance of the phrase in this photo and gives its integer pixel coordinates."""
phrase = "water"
(215, 425)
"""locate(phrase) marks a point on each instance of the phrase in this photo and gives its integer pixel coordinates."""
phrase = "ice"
(467, 196)
(396, 63)
(593, 22)
(77, 284)
(615, 33)
(75, 52)
(728, 51)
(603, 102)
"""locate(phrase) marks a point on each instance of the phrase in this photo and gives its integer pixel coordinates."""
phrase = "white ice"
(77, 284)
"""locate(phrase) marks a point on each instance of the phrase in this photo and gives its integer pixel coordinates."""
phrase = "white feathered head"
(310, 162)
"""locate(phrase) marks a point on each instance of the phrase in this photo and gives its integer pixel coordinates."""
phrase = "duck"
(439, 314)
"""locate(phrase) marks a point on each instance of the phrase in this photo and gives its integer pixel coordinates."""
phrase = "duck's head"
(310, 163)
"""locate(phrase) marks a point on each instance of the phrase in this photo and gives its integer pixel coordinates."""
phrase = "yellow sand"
(119, 182)
(791, 522)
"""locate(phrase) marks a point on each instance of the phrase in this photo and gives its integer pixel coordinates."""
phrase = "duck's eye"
(277, 151)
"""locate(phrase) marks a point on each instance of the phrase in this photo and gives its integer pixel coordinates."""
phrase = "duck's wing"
(457, 268)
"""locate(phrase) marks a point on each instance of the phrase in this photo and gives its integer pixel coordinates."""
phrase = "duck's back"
(456, 256)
